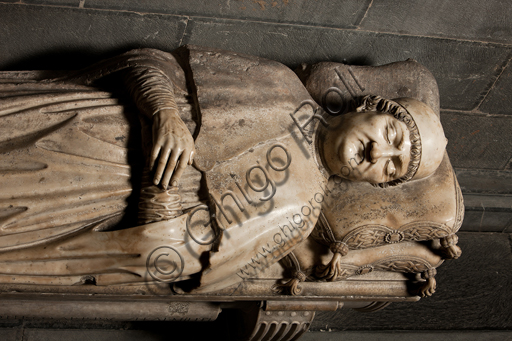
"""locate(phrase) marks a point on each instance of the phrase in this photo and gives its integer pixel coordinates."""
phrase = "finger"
(191, 158)
(180, 169)
(162, 162)
(154, 155)
(170, 167)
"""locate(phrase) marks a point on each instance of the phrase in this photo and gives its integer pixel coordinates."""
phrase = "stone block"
(463, 70)
(477, 141)
(82, 330)
(499, 99)
(89, 334)
(70, 3)
(472, 221)
(486, 221)
(487, 199)
(472, 19)
(44, 37)
(496, 203)
(8, 334)
(473, 292)
(345, 13)
(401, 335)
(59, 37)
(484, 181)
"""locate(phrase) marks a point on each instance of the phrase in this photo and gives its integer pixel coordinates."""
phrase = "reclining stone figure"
(235, 162)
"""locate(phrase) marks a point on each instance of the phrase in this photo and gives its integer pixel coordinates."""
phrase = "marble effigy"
(205, 169)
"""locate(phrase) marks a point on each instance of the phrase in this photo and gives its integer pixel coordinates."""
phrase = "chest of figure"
(265, 201)
(243, 100)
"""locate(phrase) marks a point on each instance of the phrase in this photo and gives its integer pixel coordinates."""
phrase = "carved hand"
(172, 144)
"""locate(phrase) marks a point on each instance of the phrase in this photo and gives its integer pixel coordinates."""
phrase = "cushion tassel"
(332, 271)
(429, 287)
(450, 248)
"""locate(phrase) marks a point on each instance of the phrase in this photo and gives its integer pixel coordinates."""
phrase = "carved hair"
(377, 103)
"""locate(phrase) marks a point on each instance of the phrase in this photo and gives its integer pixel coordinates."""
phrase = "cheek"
(371, 174)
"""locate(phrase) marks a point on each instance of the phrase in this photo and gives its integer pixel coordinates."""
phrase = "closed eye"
(390, 169)
(390, 134)
(402, 140)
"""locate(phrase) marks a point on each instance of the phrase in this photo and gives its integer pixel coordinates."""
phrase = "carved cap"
(433, 141)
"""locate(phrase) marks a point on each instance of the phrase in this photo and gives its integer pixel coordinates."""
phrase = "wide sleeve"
(151, 90)
(153, 78)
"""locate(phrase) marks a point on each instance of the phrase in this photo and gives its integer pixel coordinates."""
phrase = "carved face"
(367, 146)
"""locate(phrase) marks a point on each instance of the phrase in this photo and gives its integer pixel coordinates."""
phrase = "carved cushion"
(407, 257)
(336, 86)
(362, 216)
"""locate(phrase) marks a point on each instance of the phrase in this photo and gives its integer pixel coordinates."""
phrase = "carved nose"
(378, 151)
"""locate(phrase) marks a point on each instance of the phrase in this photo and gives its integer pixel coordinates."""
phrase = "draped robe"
(70, 159)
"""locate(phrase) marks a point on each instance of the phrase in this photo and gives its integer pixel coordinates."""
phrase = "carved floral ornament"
(394, 236)
(235, 164)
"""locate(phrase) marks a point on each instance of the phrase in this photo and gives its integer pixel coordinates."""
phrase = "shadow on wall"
(64, 58)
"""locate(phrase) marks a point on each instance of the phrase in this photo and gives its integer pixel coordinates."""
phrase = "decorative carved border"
(407, 264)
(373, 235)
(459, 215)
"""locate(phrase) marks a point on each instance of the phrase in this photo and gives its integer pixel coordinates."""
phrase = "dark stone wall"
(466, 44)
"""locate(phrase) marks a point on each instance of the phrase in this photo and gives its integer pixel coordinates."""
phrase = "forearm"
(151, 90)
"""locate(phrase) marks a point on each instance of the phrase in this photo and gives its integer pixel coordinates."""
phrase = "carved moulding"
(259, 313)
